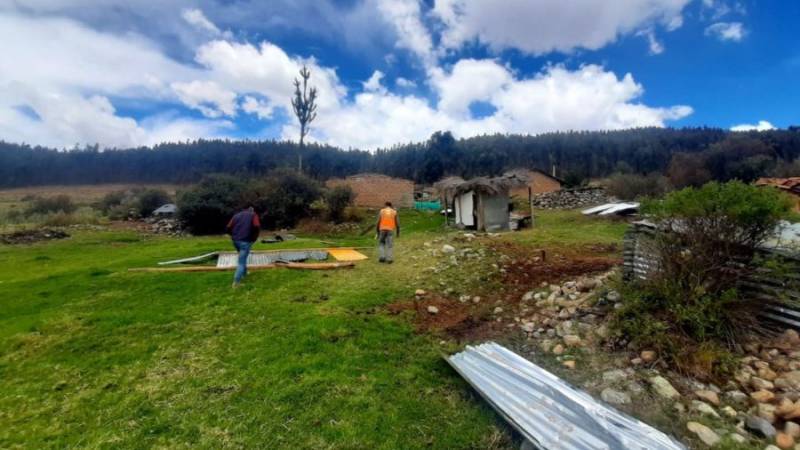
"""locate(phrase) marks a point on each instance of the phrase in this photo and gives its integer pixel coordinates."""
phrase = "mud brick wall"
(373, 190)
(539, 184)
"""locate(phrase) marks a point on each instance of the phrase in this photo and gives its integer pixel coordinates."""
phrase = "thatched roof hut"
(481, 202)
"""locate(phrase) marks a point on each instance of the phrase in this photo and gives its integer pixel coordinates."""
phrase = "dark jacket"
(244, 226)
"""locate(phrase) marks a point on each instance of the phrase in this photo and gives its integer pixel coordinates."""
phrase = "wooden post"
(530, 203)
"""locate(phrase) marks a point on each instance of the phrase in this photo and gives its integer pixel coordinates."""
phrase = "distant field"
(82, 194)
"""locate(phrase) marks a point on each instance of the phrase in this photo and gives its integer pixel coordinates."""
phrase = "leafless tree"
(305, 108)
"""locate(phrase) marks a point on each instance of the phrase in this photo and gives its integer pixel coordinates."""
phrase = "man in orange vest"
(388, 224)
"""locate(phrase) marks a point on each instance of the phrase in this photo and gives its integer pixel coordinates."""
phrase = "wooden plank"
(299, 266)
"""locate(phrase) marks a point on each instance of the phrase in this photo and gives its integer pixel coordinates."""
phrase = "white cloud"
(208, 97)
(551, 25)
(405, 83)
(762, 125)
(196, 18)
(589, 98)
(726, 31)
(374, 82)
(656, 47)
(405, 16)
(262, 109)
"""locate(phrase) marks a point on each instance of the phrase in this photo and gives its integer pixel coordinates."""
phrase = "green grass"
(570, 229)
(94, 356)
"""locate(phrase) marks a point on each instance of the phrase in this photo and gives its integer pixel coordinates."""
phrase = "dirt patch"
(31, 236)
(528, 267)
(523, 269)
(461, 321)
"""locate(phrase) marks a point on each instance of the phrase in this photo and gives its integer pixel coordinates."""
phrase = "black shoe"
(381, 260)
(390, 261)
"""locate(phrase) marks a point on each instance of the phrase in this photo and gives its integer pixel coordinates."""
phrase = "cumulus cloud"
(208, 97)
(62, 91)
(762, 125)
(726, 31)
(551, 25)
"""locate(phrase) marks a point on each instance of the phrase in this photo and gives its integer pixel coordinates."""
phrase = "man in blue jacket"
(243, 228)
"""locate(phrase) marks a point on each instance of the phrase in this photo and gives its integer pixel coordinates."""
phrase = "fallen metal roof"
(230, 259)
(611, 208)
(547, 411)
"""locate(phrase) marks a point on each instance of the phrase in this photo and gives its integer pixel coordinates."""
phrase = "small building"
(539, 182)
(166, 210)
(789, 185)
(373, 190)
(481, 203)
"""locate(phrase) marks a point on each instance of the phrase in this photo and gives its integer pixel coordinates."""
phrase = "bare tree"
(305, 108)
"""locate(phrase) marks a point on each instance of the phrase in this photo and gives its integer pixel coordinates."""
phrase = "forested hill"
(577, 155)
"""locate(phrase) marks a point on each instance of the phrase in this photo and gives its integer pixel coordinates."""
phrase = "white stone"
(615, 397)
(433, 310)
(705, 434)
(663, 387)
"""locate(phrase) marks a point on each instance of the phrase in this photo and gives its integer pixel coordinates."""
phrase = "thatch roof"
(489, 185)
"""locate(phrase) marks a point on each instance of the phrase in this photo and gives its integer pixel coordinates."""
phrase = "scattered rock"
(572, 340)
(762, 396)
(789, 380)
(735, 396)
(760, 427)
(433, 310)
(558, 349)
(792, 429)
(448, 249)
(614, 376)
(569, 364)
(420, 293)
(705, 434)
(738, 438)
(528, 296)
(663, 387)
(613, 296)
(498, 310)
(708, 396)
(703, 408)
(766, 411)
(784, 441)
(648, 356)
(615, 397)
(760, 383)
(729, 411)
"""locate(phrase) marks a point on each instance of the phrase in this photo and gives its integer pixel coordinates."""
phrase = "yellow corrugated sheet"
(346, 254)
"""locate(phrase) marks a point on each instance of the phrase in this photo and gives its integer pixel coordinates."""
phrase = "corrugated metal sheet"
(547, 411)
(229, 259)
(779, 296)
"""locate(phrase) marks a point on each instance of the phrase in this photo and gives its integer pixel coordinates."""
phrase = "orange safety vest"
(388, 219)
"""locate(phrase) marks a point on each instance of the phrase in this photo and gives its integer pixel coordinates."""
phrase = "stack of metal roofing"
(546, 410)
(230, 259)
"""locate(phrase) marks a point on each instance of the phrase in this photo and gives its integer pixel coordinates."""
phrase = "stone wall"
(373, 190)
(571, 198)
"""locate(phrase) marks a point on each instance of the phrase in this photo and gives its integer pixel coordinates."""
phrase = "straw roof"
(490, 185)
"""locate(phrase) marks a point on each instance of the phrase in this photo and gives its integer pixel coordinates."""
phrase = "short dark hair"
(388, 203)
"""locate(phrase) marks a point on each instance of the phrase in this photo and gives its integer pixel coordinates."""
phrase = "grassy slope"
(94, 356)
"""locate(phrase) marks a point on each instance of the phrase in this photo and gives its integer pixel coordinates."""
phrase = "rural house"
(481, 203)
(373, 190)
(789, 185)
(538, 182)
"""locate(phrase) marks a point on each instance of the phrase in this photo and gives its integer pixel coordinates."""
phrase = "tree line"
(686, 154)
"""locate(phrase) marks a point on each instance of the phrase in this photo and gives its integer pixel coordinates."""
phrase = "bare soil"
(31, 236)
(524, 270)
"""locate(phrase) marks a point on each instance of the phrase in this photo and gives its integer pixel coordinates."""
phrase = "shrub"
(705, 244)
(149, 200)
(111, 200)
(207, 207)
(283, 198)
(629, 186)
(47, 205)
(337, 199)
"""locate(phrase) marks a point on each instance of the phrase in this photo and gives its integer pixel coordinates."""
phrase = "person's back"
(244, 228)
(388, 224)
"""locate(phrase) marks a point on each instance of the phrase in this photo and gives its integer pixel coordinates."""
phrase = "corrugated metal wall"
(779, 294)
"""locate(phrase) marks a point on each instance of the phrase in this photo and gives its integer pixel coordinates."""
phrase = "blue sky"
(136, 72)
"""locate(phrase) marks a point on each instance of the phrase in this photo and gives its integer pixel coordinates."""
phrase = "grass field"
(93, 356)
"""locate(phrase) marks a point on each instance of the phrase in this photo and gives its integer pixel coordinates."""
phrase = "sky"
(125, 73)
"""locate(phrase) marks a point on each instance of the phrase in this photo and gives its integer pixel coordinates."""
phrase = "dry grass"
(82, 194)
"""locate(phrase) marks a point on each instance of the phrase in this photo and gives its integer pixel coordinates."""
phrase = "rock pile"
(165, 225)
(571, 198)
(31, 236)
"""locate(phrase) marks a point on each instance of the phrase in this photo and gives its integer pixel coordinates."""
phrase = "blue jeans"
(243, 247)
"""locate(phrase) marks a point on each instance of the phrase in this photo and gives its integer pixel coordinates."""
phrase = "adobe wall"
(373, 191)
(539, 184)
